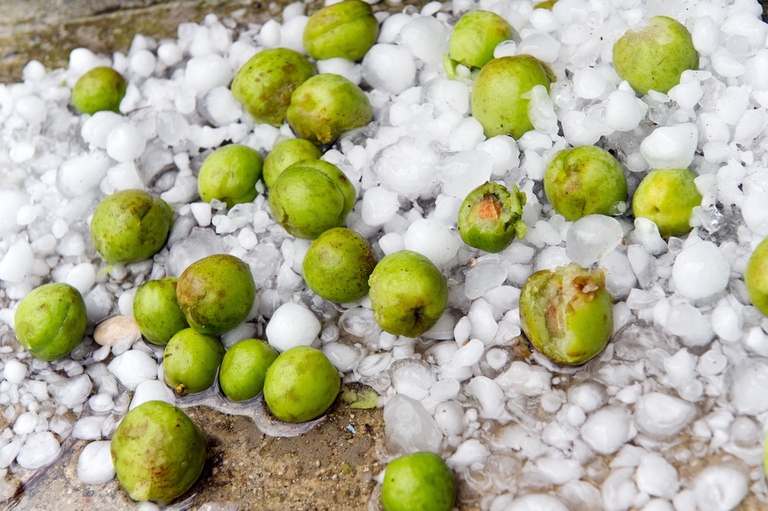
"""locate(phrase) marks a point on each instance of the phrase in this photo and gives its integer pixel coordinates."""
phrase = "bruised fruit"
(491, 216)
(191, 360)
(420, 481)
(229, 174)
(157, 310)
(285, 154)
(344, 30)
(244, 368)
(101, 88)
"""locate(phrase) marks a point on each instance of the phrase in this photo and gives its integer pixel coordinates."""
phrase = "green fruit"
(191, 360)
(265, 83)
(667, 198)
(158, 452)
(244, 368)
(229, 174)
(420, 481)
(567, 314)
(476, 35)
(656, 56)
(326, 106)
(285, 154)
(756, 277)
(216, 293)
(345, 30)
(338, 264)
(50, 321)
(310, 197)
(491, 216)
(585, 180)
(497, 94)
(157, 310)
(408, 293)
(101, 88)
(130, 226)
(301, 384)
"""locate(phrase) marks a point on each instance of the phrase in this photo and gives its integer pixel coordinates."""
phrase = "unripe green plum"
(310, 197)
(191, 360)
(130, 226)
(476, 35)
(216, 293)
(285, 154)
(585, 180)
(101, 88)
(345, 30)
(497, 94)
(338, 264)
(756, 277)
(491, 216)
(301, 384)
(667, 198)
(157, 310)
(244, 368)
(265, 83)
(51, 320)
(158, 452)
(408, 293)
(419, 481)
(229, 174)
(656, 56)
(567, 313)
(326, 106)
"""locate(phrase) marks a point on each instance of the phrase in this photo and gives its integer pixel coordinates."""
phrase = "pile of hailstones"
(670, 416)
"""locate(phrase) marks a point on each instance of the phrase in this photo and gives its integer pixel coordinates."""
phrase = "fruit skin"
(301, 384)
(756, 277)
(667, 198)
(130, 226)
(310, 197)
(326, 106)
(244, 368)
(285, 154)
(656, 56)
(158, 452)
(338, 264)
(496, 99)
(265, 83)
(584, 180)
(191, 360)
(51, 320)
(476, 35)
(567, 314)
(101, 88)
(420, 481)
(157, 310)
(491, 216)
(346, 29)
(216, 293)
(408, 293)
(229, 174)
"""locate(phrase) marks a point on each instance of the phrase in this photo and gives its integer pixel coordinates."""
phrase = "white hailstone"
(25, 423)
(467, 453)
(432, 239)
(125, 143)
(39, 450)
(82, 277)
(657, 477)
(292, 32)
(504, 152)
(732, 105)
(152, 390)
(687, 322)
(754, 210)
(427, 39)
(71, 392)
(391, 27)
(523, 379)
(389, 67)
(344, 67)
(292, 325)
(489, 396)
(607, 429)
(343, 357)
(466, 135)
(206, 72)
(720, 488)
(449, 416)
(142, 63)
(463, 171)
(94, 466)
(409, 426)
(133, 367)
(82, 174)
(542, 46)
(589, 83)
(623, 110)
(701, 270)
(101, 402)
(31, 108)
(537, 502)
(661, 416)
(221, 105)
(407, 167)
(15, 371)
(618, 490)
(10, 202)
(559, 470)
(484, 326)
(88, 428)
(169, 53)
(658, 505)
(592, 237)
(670, 147)
(98, 126)
(379, 205)
(749, 390)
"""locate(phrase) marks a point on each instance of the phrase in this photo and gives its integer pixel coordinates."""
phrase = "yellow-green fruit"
(667, 198)
(326, 106)
(420, 481)
(342, 30)
(191, 360)
(158, 452)
(756, 277)
(244, 368)
(229, 174)
(101, 88)
(656, 56)
(265, 83)
(301, 384)
(157, 310)
(491, 216)
(476, 35)
(130, 226)
(567, 313)
(50, 321)
(497, 94)
(285, 154)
